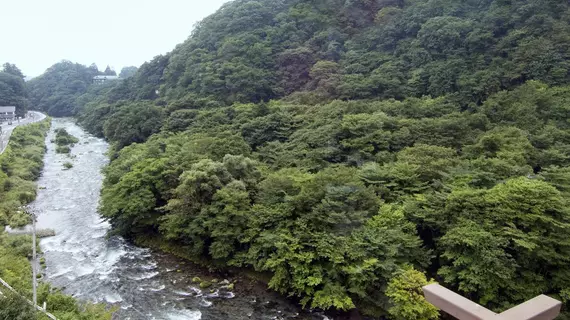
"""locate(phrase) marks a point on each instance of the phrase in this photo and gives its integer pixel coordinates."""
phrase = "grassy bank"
(20, 165)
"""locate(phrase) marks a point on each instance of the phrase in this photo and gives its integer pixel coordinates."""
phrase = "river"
(144, 284)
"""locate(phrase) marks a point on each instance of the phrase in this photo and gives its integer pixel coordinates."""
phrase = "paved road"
(33, 116)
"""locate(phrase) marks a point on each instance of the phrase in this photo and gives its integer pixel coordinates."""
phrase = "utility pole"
(34, 281)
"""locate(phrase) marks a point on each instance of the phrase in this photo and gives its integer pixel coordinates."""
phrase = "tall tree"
(128, 72)
(56, 91)
(109, 72)
(13, 92)
(13, 70)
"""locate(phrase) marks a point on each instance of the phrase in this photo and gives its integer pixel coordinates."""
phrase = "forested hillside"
(354, 149)
(259, 50)
(56, 91)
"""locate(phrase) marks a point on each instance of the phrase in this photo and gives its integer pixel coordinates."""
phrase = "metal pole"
(34, 282)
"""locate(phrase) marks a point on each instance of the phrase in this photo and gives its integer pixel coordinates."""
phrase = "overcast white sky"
(35, 34)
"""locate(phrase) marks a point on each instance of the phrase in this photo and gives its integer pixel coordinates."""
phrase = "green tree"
(55, 92)
(498, 230)
(143, 120)
(13, 70)
(109, 72)
(16, 308)
(13, 92)
(406, 296)
(128, 72)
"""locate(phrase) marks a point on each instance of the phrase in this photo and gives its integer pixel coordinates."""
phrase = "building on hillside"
(7, 113)
(103, 78)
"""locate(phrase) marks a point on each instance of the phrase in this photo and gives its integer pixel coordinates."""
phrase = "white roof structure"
(7, 109)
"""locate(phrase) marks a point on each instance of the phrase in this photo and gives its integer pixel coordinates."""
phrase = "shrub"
(63, 138)
(62, 149)
(14, 307)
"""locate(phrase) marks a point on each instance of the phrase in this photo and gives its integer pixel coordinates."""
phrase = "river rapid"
(142, 283)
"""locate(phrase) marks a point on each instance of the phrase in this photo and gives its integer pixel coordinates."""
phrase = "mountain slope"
(260, 50)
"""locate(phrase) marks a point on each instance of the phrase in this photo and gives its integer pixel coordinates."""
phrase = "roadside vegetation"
(21, 164)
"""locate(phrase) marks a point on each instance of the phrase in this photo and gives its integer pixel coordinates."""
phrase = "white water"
(80, 258)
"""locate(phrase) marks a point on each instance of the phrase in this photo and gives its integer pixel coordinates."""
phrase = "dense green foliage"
(63, 138)
(55, 91)
(64, 141)
(319, 50)
(406, 296)
(252, 51)
(128, 72)
(411, 140)
(13, 91)
(335, 199)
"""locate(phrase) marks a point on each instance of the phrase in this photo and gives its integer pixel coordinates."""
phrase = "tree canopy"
(55, 91)
(13, 91)
(128, 72)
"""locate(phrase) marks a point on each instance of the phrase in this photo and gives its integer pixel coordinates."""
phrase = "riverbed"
(142, 283)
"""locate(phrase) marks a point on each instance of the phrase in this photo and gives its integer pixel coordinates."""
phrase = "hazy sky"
(35, 34)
